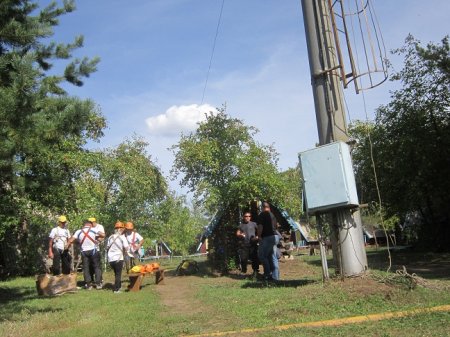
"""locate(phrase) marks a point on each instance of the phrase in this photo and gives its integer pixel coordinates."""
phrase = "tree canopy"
(43, 129)
(120, 183)
(410, 141)
(224, 166)
(41, 125)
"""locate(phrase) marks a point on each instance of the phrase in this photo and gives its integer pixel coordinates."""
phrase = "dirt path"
(178, 294)
(181, 296)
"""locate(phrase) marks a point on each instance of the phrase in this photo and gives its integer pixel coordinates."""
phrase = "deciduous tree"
(121, 183)
(411, 142)
(227, 169)
(223, 165)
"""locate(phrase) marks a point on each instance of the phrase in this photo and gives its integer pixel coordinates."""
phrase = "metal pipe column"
(331, 125)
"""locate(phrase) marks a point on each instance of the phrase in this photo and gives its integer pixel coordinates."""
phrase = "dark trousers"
(246, 252)
(117, 266)
(92, 271)
(91, 258)
(61, 258)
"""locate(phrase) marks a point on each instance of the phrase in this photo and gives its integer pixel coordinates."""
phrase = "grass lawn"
(205, 303)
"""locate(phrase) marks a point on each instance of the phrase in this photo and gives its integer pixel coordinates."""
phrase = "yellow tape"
(332, 322)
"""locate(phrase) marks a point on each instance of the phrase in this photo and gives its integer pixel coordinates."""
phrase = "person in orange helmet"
(116, 247)
(135, 241)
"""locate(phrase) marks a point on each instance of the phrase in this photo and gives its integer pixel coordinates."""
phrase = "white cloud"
(177, 119)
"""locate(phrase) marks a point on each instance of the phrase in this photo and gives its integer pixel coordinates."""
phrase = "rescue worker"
(87, 237)
(116, 247)
(58, 249)
(101, 230)
(135, 241)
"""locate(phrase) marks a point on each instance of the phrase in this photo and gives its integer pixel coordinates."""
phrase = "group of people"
(258, 242)
(122, 247)
(258, 239)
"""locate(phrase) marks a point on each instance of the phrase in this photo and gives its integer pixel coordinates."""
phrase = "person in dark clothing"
(267, 251)
(248, 244)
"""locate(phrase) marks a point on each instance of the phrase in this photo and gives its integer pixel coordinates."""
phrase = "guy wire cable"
(212, 52)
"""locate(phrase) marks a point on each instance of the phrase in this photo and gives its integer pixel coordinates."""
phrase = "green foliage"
(411, 143)
(223, 165)
(120, 184)
(42, 128)
(436, 56)
(375, 217)
(124, 184)
(178, 225)
(292, 200)
(227, 169)
(44, 169)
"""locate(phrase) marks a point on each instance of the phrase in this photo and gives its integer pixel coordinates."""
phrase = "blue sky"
(155, 56)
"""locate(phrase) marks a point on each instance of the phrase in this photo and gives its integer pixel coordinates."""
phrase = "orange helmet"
(129, 225)
(119, 224)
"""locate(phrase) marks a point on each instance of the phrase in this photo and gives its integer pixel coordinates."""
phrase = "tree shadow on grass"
(424, 264)
(278, 284)
(16, 294)
(315, 261)
(14, 305)
(204, 270)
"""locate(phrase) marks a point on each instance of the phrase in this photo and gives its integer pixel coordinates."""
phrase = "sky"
(160, 70)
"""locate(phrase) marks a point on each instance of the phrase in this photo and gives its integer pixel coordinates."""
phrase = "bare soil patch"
(178, 294)
(181, 296)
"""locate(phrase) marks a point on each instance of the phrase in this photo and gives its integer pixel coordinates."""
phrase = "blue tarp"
(294, 225)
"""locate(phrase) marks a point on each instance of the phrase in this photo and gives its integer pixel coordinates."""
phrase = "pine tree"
(43, 129)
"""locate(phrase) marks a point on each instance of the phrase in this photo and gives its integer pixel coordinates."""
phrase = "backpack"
(187, 267)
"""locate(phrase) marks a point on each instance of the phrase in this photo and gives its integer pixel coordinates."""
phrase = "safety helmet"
(62, 218)
(92, 219)
(119, 224)
(129, 225)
